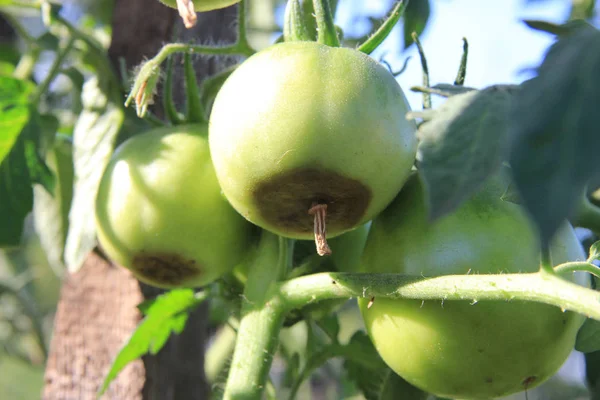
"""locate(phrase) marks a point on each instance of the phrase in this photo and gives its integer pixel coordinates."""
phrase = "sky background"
(500, 45)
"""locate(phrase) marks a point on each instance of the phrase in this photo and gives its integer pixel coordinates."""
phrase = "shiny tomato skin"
(161, 214)
(301, 123)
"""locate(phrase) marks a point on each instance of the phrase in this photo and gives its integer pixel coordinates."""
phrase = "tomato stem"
(168, 103)
(294, 28)
(54, 70)
(262, 319)
(151, 69)
(385, 29)
(575, 266)
(195, 110)
(320, 228)
(327, 33)
(536, 287)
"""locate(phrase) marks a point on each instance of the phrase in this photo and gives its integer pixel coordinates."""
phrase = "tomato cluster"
(307, 140)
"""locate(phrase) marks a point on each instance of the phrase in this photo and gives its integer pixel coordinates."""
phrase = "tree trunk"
(97, 309)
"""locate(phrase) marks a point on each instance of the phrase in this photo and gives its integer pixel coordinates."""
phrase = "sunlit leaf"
(168, 313)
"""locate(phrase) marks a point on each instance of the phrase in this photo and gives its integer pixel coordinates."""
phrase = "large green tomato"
(203, 5)
(460, 349)
(300, 124)
(161, 214)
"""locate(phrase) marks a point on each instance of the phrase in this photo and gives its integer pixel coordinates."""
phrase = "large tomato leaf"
(94, 138)
(555, 130)
(462, 143)
(372, 376)
(167, 313)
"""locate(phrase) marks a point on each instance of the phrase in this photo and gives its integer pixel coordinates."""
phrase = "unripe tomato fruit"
(161, 214)
(462, 349)
(300, 124)
(203, 5)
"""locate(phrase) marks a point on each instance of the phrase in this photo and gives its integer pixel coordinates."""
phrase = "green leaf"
(18, 172)
(415, 19)
(93, 141)
(372, 376)
(14, 111)
(588, 337)
(330, 325)
(168, 313)
(554, 130)
(594, 252)
(464, 143)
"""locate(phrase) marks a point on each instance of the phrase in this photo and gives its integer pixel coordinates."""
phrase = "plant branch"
(242, 31)
(262, 318)
(575, 266)
(54, 70)
(536, 287)
(384, 30)
(151, 69)
(327, 33)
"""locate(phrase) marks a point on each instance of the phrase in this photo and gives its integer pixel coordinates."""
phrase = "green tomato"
(300, 124)
(161, 214)
(203, 5)
(461, 349)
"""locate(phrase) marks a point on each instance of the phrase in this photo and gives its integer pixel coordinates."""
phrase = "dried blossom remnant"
(320, 228)
(187, 12)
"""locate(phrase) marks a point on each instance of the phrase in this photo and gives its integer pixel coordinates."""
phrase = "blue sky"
(500, 45)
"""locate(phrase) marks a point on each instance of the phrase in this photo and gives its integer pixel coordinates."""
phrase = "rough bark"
(96, 312)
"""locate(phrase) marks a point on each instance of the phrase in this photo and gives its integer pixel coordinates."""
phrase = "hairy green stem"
(151, 68)
(262, 319)
(538, 287)
(384, 30)
(294, 28)
(54, 70)
(575, 266)
(168, 103)
(195, 110)
(327, 33)
(242, 31)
